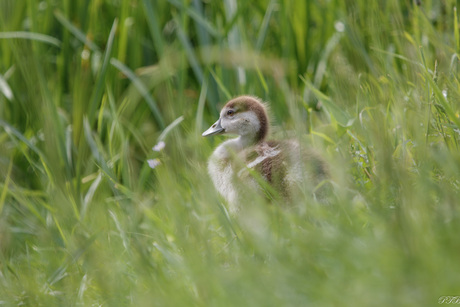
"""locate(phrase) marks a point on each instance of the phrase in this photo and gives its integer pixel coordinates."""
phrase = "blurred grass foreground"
(104, 195)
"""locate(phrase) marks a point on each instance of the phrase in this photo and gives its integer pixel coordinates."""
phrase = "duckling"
(282, 164)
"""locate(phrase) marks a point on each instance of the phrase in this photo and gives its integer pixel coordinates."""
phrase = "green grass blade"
(189, 51)
(401, 57)
(90, 195)
(168, 129)
(340, 115)
(5, 89)
(75, 31)
(102, 163)
(200, 109)
(221, 85)
(154, 26)
(99, 86)
(197, 17)
(142, 90)
(456, 30)
(443, 101)
(322, 64)
(6, 186)
(31, 36)
(11, 130)
(203, 35)
(265, 24)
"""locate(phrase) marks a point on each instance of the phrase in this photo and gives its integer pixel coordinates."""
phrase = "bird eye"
(230, 112)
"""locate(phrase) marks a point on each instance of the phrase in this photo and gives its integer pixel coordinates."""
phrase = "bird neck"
(246, 140)
(231, 147)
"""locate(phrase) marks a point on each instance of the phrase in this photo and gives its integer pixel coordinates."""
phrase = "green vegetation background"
(87, 88)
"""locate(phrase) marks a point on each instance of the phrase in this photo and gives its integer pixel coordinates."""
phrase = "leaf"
(171, 126)
(341, 116)
(81, 36)
(97, 93)
(6, 89)
(142, 90)
(31, 36)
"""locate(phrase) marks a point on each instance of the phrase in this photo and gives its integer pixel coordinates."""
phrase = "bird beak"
(214, 129)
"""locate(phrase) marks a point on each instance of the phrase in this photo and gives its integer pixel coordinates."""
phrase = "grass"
(87, 88)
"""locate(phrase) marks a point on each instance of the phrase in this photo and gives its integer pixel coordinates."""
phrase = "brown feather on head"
(254, 104)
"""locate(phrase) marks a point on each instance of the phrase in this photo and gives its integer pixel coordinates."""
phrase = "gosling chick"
(283, 164)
